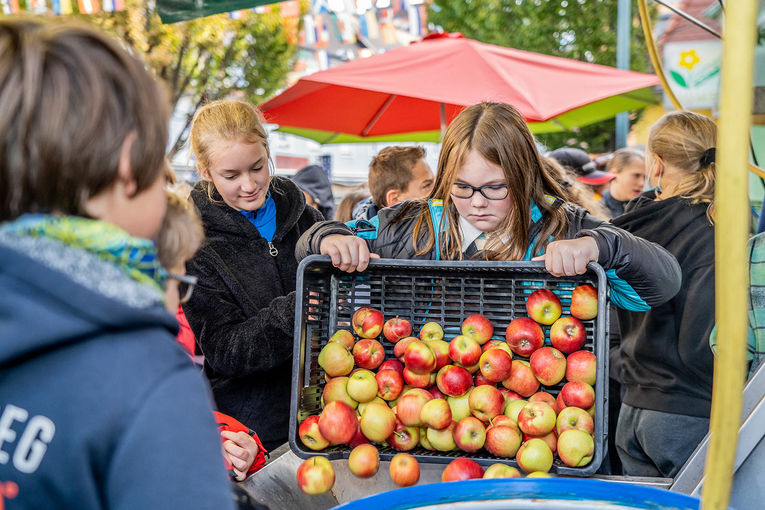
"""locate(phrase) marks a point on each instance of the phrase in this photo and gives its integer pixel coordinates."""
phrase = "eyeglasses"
(186, 284)
(489, 191)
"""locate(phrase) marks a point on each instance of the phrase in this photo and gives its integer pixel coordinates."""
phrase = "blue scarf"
(264, 218)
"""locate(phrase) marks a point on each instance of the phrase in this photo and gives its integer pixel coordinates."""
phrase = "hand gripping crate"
(445, 292)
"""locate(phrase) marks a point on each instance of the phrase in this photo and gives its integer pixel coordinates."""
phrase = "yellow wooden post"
(731, 232)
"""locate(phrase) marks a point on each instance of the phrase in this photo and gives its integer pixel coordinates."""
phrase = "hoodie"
(99, 406)
(665, 362)
(314, 180)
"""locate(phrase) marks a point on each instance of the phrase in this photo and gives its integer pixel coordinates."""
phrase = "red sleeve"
(185, 335)
(226, 422)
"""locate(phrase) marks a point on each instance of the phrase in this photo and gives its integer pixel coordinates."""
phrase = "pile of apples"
(470, 393)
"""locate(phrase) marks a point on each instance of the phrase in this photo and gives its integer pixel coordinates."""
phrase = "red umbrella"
(419, 87)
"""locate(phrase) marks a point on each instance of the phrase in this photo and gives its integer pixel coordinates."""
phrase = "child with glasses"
(494, 199)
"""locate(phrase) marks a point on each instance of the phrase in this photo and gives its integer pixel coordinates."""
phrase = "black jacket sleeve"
(310, 241)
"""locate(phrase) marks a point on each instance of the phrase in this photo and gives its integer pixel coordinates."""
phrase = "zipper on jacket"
(272, 249)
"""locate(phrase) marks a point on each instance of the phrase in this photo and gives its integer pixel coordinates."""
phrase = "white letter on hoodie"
(32, 448)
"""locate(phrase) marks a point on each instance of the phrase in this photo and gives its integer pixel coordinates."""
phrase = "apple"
(543, 306)
(392, 364)
(509, 395)
(364, 461)
(441, 350)
(389, 384)
(497, 344)
(433, 390)
(344, 337)
(396, 328)
(502, 419)
(338, 422)
(460, 405)
(419, 358)
(431, 331)
(478, 328)
(495, 365)
(575, 418)
(401, 345)
(377, 422)
(551, 438)
(362, 386)
(337, 389)
(472, 369)
(418, 380)
(503, 440)
(581, 366)
(315, 476)
(559, 404)
(536, 419)
(310, 434)
(469, 434)
(513, 409)
(548, 365)
(442, 440)
(410, 406)
(335, 359)
(436, 414)
(534, 455)
(486, 402)
(462, 469)
(524, 336)
(501, 471)
(568, 335)
(367, 322)
(577, 394)
(576, 448)
(584, 302)
(424, 439)
(480, 380)
(464, 350)
(453, 380)
(543, 396)
(521, 380)
(363, 405)
(538, 474)
(404, 470)
(368, 353)
(404, 438)
(358, 438)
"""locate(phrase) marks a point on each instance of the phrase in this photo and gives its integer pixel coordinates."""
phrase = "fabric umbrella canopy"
(414, 91)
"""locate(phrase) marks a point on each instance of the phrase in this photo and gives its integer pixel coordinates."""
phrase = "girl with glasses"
(494, 199)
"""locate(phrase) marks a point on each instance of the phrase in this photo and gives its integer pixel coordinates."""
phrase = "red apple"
(337, 422)
(377, 422)
(392, 364)
(576, 448)
(584, 302)
(543, 396)
(390, 384)
(431, 331)
(548, 365)
(472, 369)
(404, 470)
(453, 380)
(495, 365)
(536, 419)
(464, 350)
(367, 322)
(479, 380)
(470, 434)
(337, 389)
(575, 418)
(497, 344)
(551, 438)
(442, 440)
(396, 328)
(401, 345)
(419, 358)
(315, 476)
(462, 469)
(581, 366)
(577, 394)
(486, 402)
(358, 438)
(417, 380)
(503, 440)
(509, 395)
(502, 419)
(543, 306)
(559, 404)
(524, 336)
(436, 414)
(521, 380)
(433, 390)
(310, 434)
(501, 471)
(368, 353)
(568, 335)
(343, 336)
(534, 455)
(478, 328)
(362, 386)
(441, 350)
(404, 438)
(335, 359)
(364, 461)
(410, 406)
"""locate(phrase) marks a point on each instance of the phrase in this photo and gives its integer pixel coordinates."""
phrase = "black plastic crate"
(443, 291)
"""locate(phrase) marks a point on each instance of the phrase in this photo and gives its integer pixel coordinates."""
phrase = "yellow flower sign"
(689, 59)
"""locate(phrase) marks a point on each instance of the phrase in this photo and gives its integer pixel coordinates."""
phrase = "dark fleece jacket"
(243, 309)
(665, 360)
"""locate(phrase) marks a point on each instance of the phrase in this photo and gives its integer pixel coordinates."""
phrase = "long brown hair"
(499, 134)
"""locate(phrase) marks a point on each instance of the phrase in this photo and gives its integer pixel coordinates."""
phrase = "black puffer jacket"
(243, 309)
(651, 271)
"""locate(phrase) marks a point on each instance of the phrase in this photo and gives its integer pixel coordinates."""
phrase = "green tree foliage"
(583, 30)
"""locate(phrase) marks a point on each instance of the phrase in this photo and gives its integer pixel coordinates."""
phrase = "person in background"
(344, 210)
(314, 183)
(242, 311)
(628, 166)
(98, 404)
(396, 174)
(584, 168)
(665, 364)
(578, 193)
